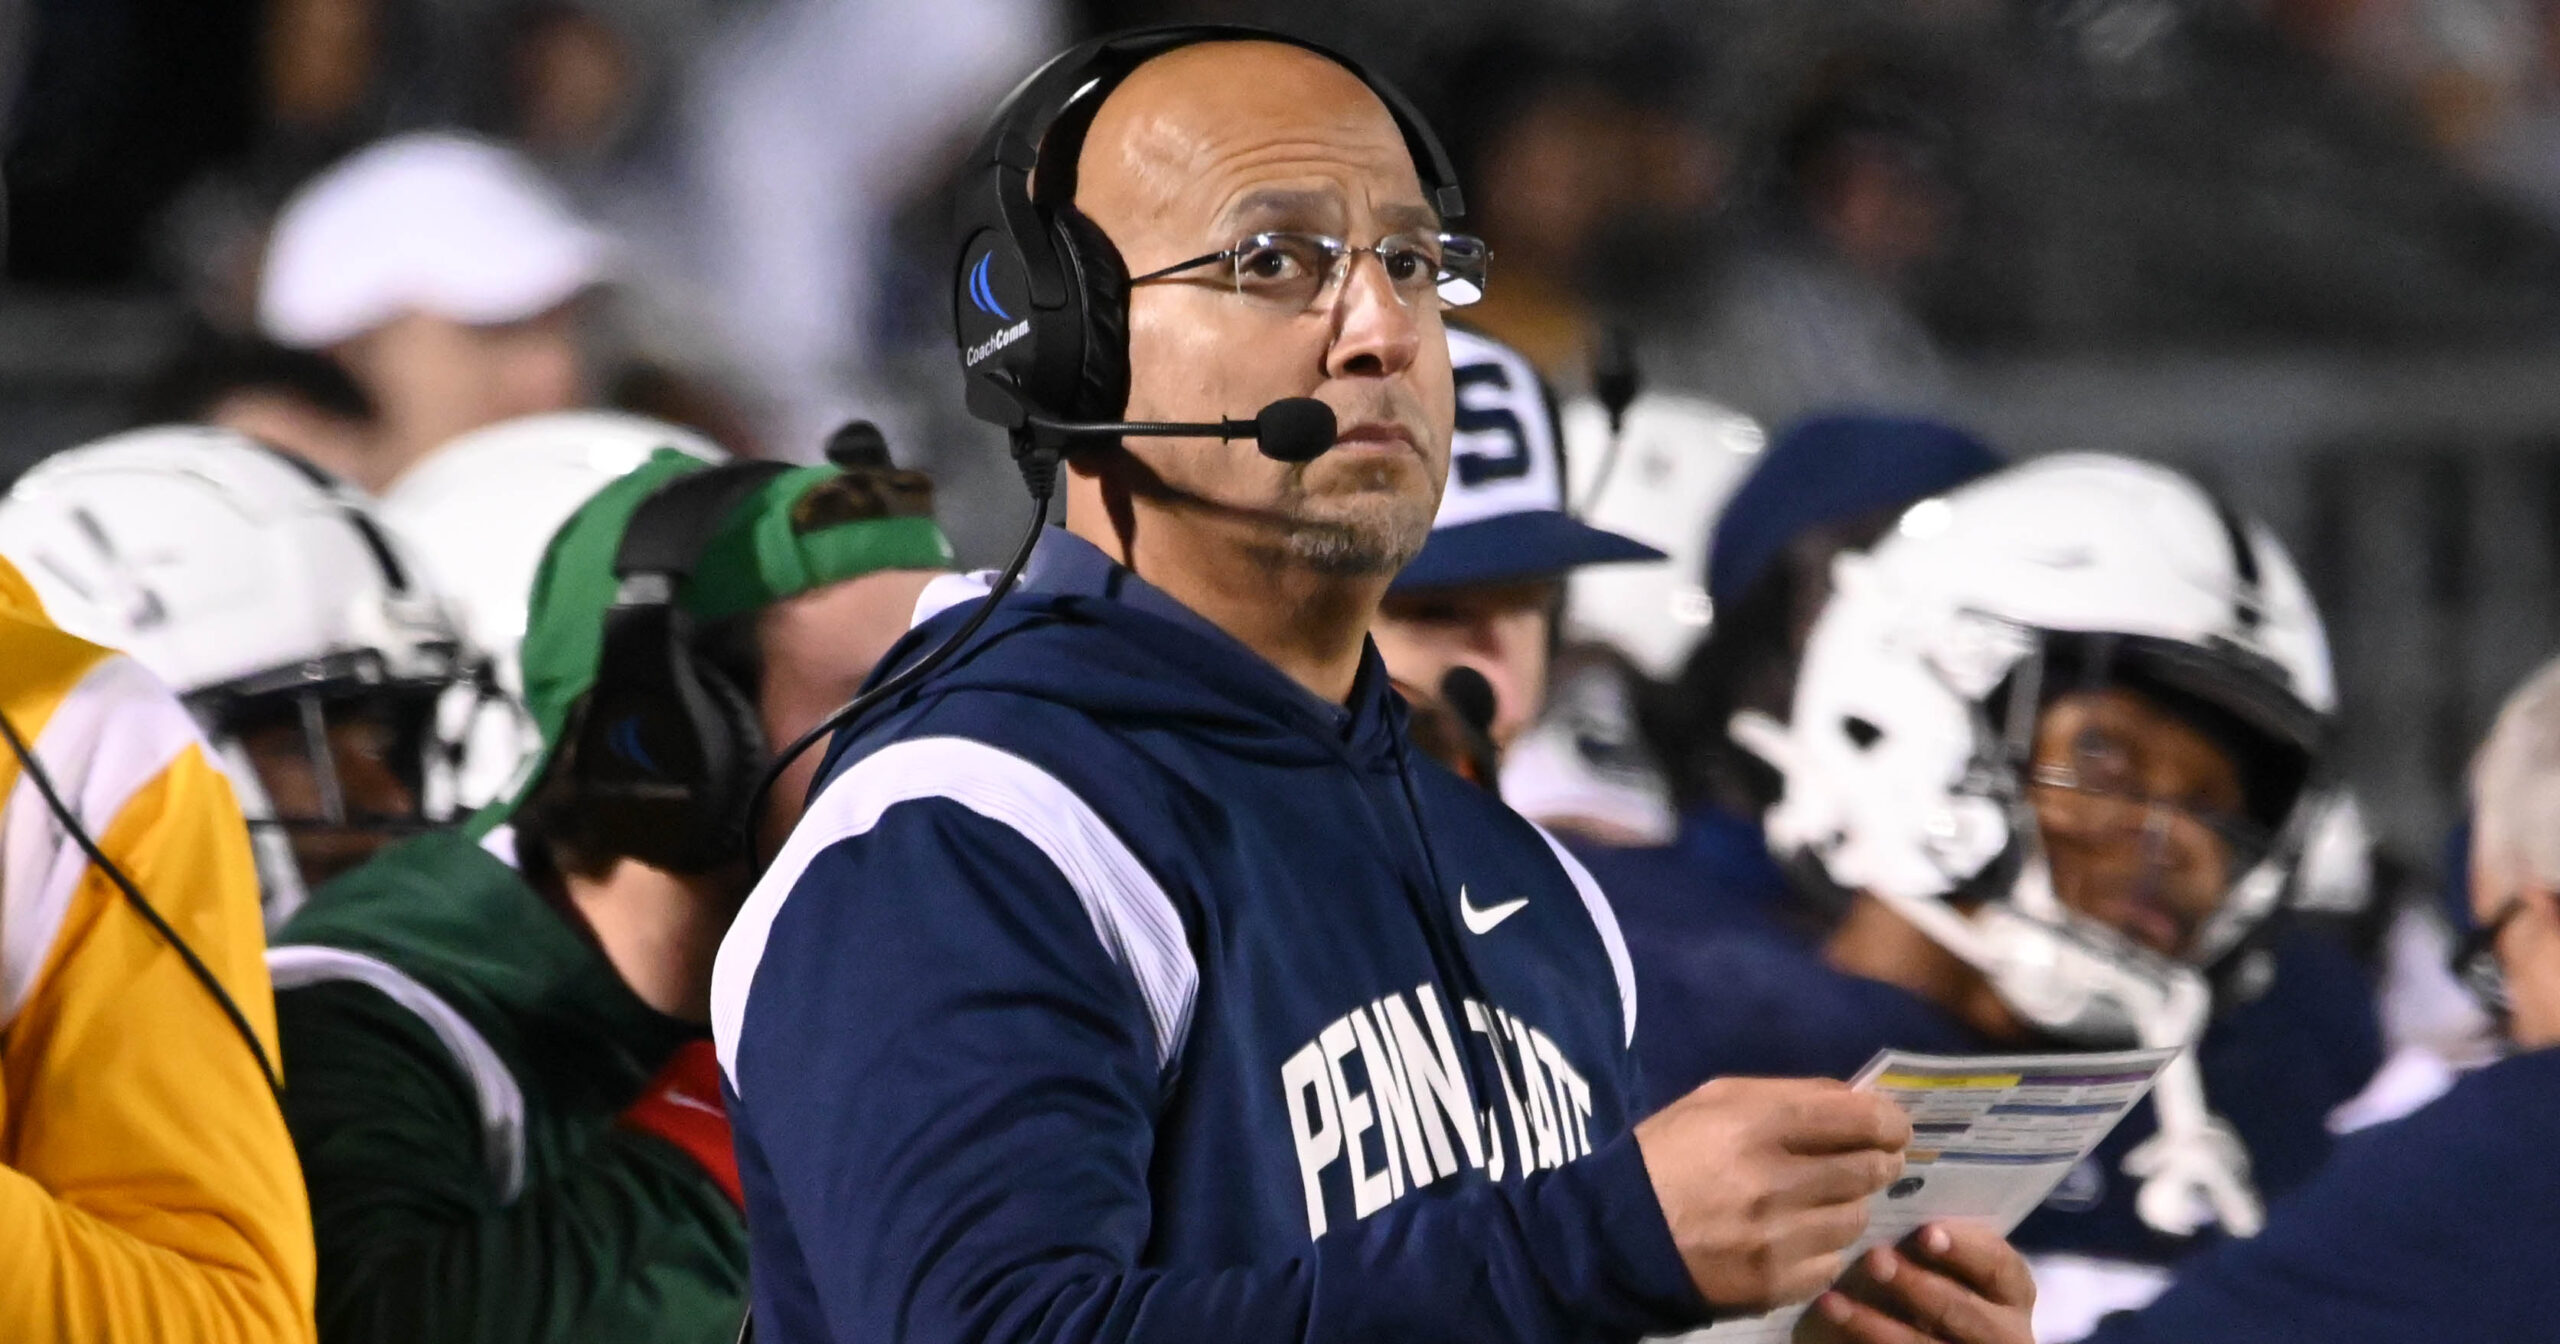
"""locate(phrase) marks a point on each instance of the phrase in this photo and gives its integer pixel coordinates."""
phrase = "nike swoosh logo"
(1481, 921)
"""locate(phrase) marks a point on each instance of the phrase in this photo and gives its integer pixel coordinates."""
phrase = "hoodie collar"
(1066, 565)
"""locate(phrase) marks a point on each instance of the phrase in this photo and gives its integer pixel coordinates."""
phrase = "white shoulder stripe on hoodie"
(114, 733)
(1131, 914)
(1605, 919)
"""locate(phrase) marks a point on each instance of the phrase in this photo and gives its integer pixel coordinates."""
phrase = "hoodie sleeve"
(147, 1186)
(2437, 1226)
(958, 1136)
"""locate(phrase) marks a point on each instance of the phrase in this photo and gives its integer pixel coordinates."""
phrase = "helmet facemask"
(292, 623)
(336, 756)
(2163, 794)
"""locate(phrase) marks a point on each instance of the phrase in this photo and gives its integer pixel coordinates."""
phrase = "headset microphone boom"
(1292, 429)
(1040, 304)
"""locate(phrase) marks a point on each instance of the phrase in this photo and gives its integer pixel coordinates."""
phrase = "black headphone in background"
(669, 747)
(1040, 297)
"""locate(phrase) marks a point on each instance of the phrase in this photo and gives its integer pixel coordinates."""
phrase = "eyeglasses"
(2076, 805)
(2475, 960)
(1293, 272)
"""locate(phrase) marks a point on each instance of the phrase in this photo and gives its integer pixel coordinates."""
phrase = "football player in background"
(479, 512)
(1823, 485)
(2443, 1225)
(298, 630)
(2047, 769)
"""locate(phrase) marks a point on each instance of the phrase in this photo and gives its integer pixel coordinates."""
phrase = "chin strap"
(2195, 1170)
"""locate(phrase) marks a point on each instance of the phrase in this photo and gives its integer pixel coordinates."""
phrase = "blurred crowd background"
(2306, 249)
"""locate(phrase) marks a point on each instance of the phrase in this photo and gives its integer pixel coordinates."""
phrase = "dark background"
(2305, 248)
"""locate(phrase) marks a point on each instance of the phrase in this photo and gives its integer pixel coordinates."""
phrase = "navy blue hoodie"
(1118, 988)
(2444, 1225)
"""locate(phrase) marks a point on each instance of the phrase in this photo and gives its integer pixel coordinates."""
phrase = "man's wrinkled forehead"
(1247, 136)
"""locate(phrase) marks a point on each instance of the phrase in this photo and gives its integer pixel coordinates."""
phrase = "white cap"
(434, 223)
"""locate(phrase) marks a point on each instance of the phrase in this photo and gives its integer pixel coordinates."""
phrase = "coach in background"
(502, 1096)
(1134, 978)
(147, 1186)
(2444, 1225)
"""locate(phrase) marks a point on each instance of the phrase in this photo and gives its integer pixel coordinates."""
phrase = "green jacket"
(456, 1057)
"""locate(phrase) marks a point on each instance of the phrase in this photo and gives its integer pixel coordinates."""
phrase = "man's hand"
(1948, 1283)
(1765, 1182)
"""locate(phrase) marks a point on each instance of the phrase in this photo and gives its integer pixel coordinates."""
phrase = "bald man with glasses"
(1135, 979)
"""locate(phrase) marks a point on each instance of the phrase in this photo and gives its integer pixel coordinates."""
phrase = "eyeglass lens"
(1296, 270)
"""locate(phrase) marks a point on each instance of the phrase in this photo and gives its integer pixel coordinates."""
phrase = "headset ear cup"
(1100, 279)
(733, 755)
(668, 748)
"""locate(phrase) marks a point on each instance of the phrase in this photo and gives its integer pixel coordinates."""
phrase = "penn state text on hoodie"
(1116, 988)
(2444, 1225)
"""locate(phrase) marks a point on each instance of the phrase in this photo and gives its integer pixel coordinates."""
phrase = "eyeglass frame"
(2241, 834)
(2475, 962)
(1339, 254)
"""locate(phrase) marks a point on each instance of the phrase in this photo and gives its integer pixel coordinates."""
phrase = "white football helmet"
(265, 593)
(1906, 757)
(480, 512)
(1662, 479)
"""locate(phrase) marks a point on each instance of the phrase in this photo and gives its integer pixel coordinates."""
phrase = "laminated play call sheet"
(1991, 1135)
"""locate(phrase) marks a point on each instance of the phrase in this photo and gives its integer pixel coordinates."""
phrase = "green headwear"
(801, 530)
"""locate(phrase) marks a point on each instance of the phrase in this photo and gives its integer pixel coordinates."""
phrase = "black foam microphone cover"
(1471, 696)
(857, 444)
(1294, 429)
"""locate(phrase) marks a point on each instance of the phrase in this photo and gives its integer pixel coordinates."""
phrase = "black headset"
(668, 746)
(1040, 301)
(1040, 297)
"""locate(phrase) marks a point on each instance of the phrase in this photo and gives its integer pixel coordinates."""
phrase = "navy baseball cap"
(1502, 518)
(1828, 468)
